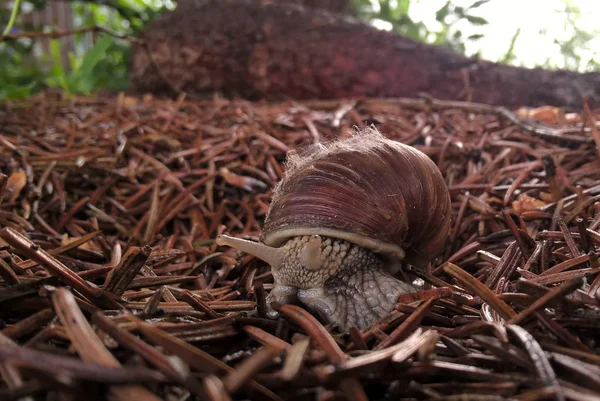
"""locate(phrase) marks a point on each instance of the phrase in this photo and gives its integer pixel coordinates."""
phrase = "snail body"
(344, 219)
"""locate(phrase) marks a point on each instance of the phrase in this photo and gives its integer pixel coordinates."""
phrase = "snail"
(342, 222)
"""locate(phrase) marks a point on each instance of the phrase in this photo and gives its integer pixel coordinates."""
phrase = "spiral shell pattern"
(369, 190)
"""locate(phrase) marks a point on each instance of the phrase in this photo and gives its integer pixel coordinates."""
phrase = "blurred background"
(553, 34)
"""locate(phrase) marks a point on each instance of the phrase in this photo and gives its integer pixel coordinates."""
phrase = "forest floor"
(111, 283)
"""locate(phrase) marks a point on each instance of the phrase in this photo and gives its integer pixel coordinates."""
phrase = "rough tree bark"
(257, 49)
(337, 6)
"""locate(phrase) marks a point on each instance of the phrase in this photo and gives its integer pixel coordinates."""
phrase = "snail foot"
(357, 298)
(282, 294)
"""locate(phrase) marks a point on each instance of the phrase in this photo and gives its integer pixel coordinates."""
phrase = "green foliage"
(396, 13)
(577, 52)
(573, 48)
(84, 74)
(101, 65)
(510, 55)
(17, 79)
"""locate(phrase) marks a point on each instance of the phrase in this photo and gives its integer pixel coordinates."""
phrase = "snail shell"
(344, 218)
(374, 192)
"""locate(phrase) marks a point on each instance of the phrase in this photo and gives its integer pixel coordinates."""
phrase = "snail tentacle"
(273, 256)
(311, 256)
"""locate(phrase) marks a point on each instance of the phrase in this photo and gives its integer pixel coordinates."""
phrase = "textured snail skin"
(344, 219)
(351, 285)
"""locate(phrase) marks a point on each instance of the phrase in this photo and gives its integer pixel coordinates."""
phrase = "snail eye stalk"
(311, 256)
(273, 256)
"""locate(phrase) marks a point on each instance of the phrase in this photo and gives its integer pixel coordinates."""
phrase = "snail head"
(347, 284)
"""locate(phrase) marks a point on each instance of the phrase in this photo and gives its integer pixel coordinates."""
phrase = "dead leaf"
(526, 203)
(15, 184)
(545, 114)
(546, 197)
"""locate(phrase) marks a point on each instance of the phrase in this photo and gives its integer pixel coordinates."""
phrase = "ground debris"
(111, 285)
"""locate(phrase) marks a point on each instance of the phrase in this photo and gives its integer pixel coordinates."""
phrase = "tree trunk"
(337, 6)
(262, 50)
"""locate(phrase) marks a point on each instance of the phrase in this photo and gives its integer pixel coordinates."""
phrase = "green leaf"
(83, 79)
(460, 12)
(475, 20)
(73, 61)
(475, 36)
(57, 70)
(95, 55)
(478, 3)
(403, 6)
(15, 92)
(443, 12)
(510, 53)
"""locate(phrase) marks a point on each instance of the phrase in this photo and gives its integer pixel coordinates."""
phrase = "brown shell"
(369, 190)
